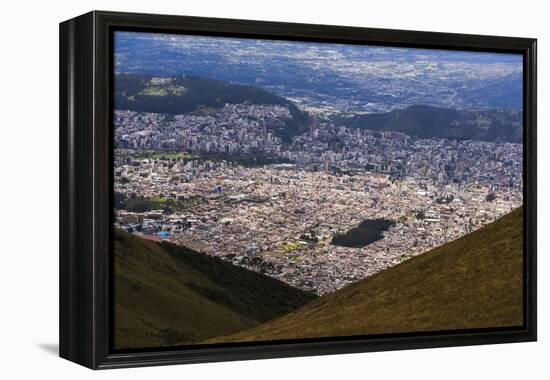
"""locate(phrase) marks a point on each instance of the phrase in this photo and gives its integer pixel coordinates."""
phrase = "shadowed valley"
(166, 294)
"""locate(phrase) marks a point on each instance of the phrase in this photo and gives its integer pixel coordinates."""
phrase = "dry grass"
(166, 294)
(472, 282)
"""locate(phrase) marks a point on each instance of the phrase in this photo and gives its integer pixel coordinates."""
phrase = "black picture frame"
(86, 151)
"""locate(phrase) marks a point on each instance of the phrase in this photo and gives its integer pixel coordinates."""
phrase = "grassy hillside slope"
(472, 282)
(167, 294)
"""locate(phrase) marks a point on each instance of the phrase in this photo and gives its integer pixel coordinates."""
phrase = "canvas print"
(268, 190)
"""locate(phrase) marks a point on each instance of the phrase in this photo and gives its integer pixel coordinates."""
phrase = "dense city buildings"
(268, 190)
(222, 182)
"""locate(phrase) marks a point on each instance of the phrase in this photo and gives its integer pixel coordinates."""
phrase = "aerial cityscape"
(315, 164)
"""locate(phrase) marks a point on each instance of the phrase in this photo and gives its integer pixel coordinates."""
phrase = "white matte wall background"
(29, 188)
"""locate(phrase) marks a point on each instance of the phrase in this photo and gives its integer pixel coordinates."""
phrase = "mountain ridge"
(166, 294)
(181, 94)
(425, 121)
(473, 282)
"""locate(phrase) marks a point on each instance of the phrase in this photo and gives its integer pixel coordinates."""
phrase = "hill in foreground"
(472, 282)
(166, 294)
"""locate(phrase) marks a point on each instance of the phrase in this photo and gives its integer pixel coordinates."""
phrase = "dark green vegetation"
(163, 155)
(248, 160)
(257, 159)
(166, 294)
(473, 282)
(367, 232)
(178, 95)
(502, 125)
(141, 204)
(491, 197)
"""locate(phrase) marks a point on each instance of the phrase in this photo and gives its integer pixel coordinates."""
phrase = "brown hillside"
(472, 282)
(167, 294)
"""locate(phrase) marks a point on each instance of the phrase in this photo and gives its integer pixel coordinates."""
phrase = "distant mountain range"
(498, 125)
(166, 294)
(505, 92)
(182, 94)
(473, 282)
(341, 76)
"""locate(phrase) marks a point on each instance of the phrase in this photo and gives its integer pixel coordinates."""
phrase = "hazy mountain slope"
(166, 294)
(186, 94)
(505, 92)
(501, 125)
(472, 282)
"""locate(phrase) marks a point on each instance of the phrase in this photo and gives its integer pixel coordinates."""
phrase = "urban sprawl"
(188, 179)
